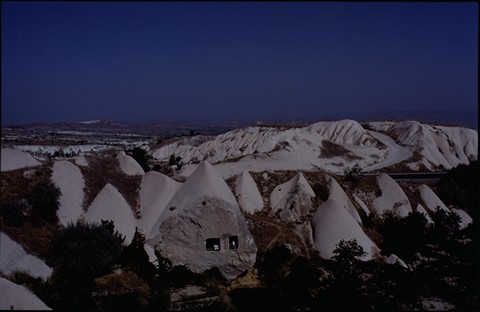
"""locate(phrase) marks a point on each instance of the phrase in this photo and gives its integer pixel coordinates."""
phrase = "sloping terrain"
(17, 297)
(247, 193)
(436, 146)
(14, 258)
(14, 159)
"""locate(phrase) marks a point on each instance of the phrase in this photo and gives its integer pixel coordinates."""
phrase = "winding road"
(396, 153)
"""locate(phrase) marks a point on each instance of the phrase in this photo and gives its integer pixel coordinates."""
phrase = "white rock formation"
(361, 204)
(156, 191)
(337, 193)
(292, 199)
(14, 258)
(69, 180)
(249, 198)
(393, 259)
(80, 161)
(18, 297)
(12, 159)
(203, 227)
(129, 165)
(393, 197)
(332, 223)
(110, 205)
(431, 200)
(438, 145)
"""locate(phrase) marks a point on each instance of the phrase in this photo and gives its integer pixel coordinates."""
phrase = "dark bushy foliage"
(459, 187)
(135, 257)
(274, 264)
(87, 248)
(44, 201)
(321, 191)
(79, 254)
(403, 236)
(13, 213)
(142, 158)
(352, 174)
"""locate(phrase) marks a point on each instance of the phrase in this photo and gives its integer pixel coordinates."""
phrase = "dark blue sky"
(131, 61)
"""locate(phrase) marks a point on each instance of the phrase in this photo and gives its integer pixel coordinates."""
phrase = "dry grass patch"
(35, 239)
(15, 186)
(106, 169)
(330, 150)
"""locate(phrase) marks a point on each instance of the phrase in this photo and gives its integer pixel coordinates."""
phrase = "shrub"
(142, 158)
(460, 186)
(321, 191)
(13, 213)
(79, 253)
(403, 236)
(87, 248)
(44, 201)
(352, 174)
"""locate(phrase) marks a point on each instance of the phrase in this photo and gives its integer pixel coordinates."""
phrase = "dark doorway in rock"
(233, 242)
(213, 244)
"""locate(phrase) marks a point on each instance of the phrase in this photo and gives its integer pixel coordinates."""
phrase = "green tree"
(346, 257)
(79, 254)
(44, 200)
(13, 213)
(352, 174)
(142, 157)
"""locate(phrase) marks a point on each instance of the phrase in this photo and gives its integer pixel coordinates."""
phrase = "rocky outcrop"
(156, 191)
(13, 159)
(247, 193)
(129, 165)
(393, 198)
(202, 227)
(292, 199)
(332, 223)
(110, 205)
(336, 192)
(69, 180)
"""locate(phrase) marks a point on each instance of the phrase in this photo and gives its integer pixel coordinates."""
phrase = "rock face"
(332, 223)
(393, 197)
(69, 179)
(110, 205)
(12, 159)
(437, 145)
(247, 193)
(431, 200)
(129, 165)
(339, 195)
(156, 191)
(292, 199)
(14, 258)
(203, 227)
(18, 297)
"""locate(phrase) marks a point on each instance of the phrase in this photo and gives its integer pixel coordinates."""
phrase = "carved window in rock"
(213, 244)
(233, 242)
